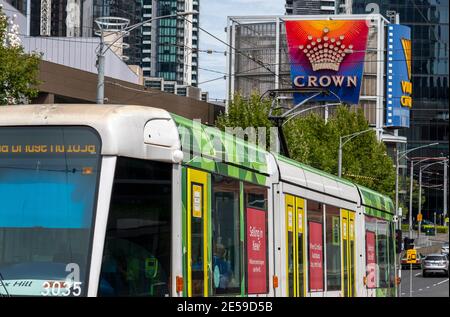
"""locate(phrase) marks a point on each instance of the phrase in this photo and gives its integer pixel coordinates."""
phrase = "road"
(432, 286)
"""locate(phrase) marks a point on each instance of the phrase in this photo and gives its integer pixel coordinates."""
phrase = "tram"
(120, 200)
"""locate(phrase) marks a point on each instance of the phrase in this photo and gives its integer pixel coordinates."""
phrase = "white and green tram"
(118, 200)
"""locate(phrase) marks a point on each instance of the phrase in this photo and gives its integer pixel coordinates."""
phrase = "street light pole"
(101, 72)
(411, 176)
(340, 158)
(445, 189)
(341, 145)
(420, 202)
(399, 155)
(123, 30)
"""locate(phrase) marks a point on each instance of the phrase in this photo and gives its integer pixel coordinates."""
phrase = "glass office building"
(429, 123)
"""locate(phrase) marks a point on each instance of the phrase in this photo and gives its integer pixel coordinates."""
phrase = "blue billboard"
(398, 76)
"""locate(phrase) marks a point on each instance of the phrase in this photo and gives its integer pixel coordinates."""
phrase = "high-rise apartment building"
(170, 46)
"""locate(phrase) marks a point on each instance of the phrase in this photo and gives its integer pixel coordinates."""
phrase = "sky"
(213, 18)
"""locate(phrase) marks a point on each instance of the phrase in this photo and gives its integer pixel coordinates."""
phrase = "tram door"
(197, 230)
(348, 251)
(295, 247)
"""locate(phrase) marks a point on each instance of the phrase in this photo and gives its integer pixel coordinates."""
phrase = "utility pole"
(420, 201)
(411, 176)
(445, 189)
(101, 71)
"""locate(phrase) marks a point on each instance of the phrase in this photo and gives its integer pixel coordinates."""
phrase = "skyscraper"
(429, 22)
(429, 121)
(169, 46)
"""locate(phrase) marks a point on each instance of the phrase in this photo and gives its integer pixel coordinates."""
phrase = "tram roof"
(376, 201)
(122, 128)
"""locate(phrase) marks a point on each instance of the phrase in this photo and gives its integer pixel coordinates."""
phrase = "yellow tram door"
(294, 246)
(300, 254)
(348, 251)
(197, 231)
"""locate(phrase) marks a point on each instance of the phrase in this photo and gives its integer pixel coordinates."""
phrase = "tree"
(18, 70)
(315, 142)
(364, 158)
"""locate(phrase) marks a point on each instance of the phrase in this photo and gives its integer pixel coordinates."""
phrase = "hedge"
(439, 229)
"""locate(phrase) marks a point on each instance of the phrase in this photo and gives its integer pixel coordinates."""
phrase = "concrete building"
(301, 7)
(68, 74)
(429, 123)
(264, 40)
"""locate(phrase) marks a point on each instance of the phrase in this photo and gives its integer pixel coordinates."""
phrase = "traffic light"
(409, 243)
(398, 239)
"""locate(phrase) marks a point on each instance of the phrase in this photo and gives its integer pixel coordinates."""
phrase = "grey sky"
(213, 18)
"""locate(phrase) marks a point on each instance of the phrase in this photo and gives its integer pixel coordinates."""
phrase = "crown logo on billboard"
(325, 52)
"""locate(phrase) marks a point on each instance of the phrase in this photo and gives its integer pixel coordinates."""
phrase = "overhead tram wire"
(233, 48)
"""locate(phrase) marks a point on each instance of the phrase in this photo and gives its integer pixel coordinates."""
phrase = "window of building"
(225, 219)
(333, 235)
(136, 256)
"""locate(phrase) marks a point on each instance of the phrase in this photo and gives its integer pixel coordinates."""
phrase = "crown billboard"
(327, 54)
(398, 76)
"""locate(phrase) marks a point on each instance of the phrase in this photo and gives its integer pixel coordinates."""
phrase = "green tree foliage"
(251, 112)
(314, 142)
(364, 159)
(18, 70)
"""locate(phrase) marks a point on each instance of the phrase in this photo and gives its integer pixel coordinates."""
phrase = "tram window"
(315, 245)
(333, 234)
(382, 253)
(382, 263)
(136, 256)
(225, 218)
(257, 278)
(391, 238)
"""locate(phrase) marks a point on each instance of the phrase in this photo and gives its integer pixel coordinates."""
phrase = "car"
(417, 262)
(444, 249)
(424, 223)
(435, 263)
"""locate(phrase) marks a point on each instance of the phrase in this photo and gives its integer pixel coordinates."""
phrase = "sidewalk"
(430, 244)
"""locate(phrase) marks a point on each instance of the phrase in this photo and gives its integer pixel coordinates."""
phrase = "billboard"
(256, 251)
(398, 76)
(371, 262)
(327, 54)
(315, 257)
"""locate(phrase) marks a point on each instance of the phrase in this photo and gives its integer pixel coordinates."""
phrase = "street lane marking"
(417, 274)
(442, 282)
(428, 287)
(420, 289)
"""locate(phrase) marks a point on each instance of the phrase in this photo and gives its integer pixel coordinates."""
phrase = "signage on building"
(256, 251)
(327, 54)
(398, 76)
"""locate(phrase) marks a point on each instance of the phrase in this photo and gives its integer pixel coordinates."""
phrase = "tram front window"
(48, 185)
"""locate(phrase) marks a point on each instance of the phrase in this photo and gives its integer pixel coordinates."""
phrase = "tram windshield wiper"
(2, 281)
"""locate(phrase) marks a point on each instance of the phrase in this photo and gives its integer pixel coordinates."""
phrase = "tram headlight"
(177, 156)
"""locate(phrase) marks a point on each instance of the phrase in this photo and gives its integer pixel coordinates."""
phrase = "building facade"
(429, 122)
(170, 46)
(301, 7)
(264, 40)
